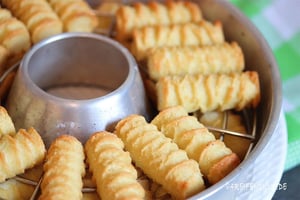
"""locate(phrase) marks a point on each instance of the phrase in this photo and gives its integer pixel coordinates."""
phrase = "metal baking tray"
(263, 121)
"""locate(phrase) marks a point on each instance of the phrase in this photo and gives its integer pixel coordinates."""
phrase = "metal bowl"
(77, 84)
(237, 27)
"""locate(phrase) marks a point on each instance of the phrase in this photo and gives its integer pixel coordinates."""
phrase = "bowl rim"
(275, 105)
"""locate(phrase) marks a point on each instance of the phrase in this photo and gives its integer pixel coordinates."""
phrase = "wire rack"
(249, 116)
(250, 135)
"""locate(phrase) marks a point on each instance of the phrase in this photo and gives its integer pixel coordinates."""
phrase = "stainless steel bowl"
(77, 84)
(236, 27)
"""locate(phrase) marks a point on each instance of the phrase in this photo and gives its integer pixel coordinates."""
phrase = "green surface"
(278, 21)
